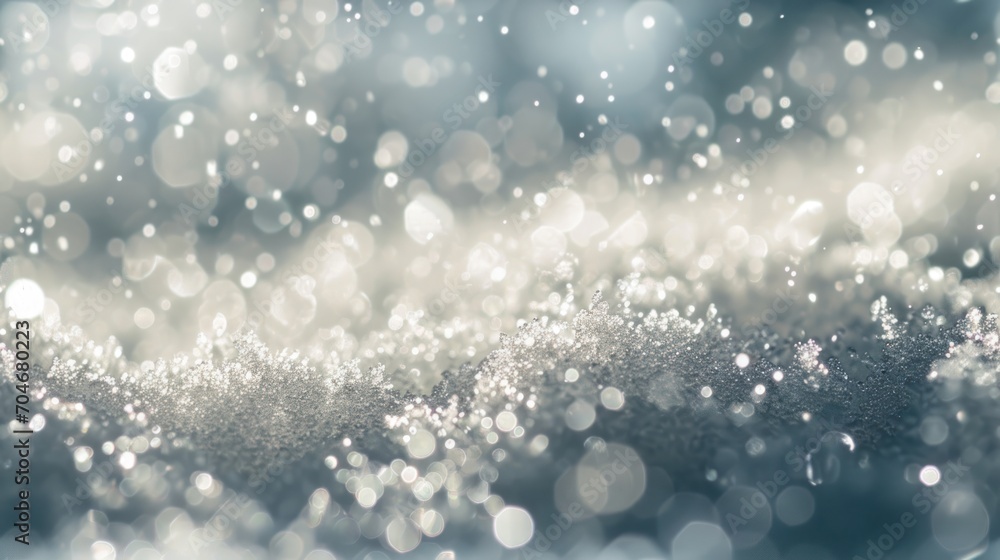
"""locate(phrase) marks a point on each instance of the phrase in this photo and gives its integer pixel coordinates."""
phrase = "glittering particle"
(127, 460)
(930, 475)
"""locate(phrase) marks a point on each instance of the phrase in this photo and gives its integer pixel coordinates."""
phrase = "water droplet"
(825, 461)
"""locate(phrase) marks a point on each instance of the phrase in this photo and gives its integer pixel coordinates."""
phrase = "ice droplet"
(824, 463)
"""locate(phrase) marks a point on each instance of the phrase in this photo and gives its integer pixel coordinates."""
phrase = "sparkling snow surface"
(485, 279)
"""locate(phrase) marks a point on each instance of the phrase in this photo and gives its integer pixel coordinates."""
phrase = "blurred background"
(345, 254)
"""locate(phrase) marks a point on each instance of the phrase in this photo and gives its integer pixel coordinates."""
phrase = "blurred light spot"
(960, 521)
(930, 475)
(513, 527)
(25, 299)
(580, 415)
(703, 541)
(795, 505)
(855, 53)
